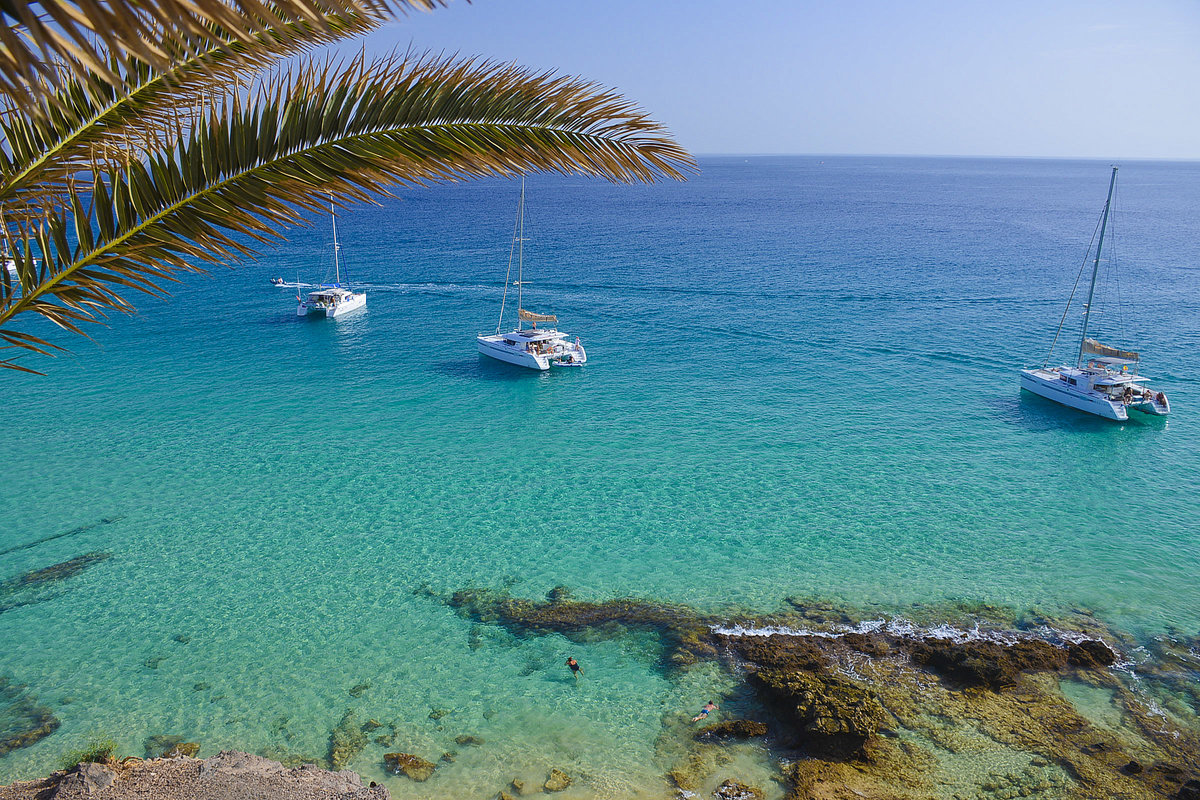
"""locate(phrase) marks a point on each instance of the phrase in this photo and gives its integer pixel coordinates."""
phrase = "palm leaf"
(45, 42)
(91, 124)
(254, 165)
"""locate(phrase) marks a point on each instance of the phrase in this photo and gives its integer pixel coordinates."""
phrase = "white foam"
(906, 629)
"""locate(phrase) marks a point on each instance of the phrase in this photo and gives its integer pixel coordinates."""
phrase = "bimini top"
(1093, 347)
(529, 316)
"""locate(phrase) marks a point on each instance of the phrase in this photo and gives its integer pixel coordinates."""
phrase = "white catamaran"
(529, 347)
(331, 299)
(1104, 380)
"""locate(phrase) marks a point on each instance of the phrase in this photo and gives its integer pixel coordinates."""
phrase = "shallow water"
(802, 380)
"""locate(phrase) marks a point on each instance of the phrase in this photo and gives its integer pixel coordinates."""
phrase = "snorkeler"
(709, 707)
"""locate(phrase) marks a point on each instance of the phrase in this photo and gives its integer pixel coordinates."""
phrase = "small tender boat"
(1105, 379)
(529, 347)
(331, 299)
(277, 281)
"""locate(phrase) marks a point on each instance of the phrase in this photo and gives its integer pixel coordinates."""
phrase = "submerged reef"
(23, 721)
(855, 703)
(30, 587)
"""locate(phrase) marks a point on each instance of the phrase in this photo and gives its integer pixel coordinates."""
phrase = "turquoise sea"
(802, 380)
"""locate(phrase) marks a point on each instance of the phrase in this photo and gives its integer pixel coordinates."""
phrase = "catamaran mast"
(337, 270)
(520, 253)
(1087, 309)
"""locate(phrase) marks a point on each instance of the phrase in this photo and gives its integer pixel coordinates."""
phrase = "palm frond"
(256, 164)
(91, 124)
(47, 41)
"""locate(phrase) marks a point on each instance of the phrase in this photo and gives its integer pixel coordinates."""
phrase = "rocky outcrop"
(413, 767)
(557, 781)
(732, 729)
(735, 790)
(834, 713)
(346, 741)
(683, 633)
(983, 663)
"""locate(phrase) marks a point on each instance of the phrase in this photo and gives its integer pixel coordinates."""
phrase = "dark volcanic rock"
(732, 729)
(1090, 654)
(984, 663)
(414, 767)
(834, 713)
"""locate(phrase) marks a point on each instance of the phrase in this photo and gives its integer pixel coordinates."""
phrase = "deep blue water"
(802, 379)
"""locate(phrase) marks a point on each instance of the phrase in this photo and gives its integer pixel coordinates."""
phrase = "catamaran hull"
(510, 355)
(1051, 389)
(331, 312)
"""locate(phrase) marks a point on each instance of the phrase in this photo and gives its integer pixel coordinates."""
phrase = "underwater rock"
(371, 725)
(182, 638)
(358, 689)
(467, 739)
(52, 574)
(414, 767)
(201, 686)
(1189, 791)
(185, 749)
(559, 594)
(448, 756)
(503, 795)
(732, 729)
(557, 781)
(438, 713)
(23, 721)
(346, 741)
(153, 661)
(161, 744)
(734, 790)
(680, 629)
(834, 713)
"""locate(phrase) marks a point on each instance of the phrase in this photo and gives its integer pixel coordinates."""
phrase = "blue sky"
(1056, 78)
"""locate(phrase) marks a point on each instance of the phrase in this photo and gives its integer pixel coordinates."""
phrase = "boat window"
(1071, 381)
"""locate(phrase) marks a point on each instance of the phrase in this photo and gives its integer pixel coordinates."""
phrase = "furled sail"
(529, 316)
(1095, 348)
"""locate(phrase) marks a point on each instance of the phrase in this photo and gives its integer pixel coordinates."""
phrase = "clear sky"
(1059, 78)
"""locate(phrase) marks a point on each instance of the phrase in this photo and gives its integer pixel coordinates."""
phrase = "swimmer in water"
(709, 707)
(576, 670)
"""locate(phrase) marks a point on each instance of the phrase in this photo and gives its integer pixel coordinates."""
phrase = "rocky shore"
(959, 703)
(852, 707)
(229, 775)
